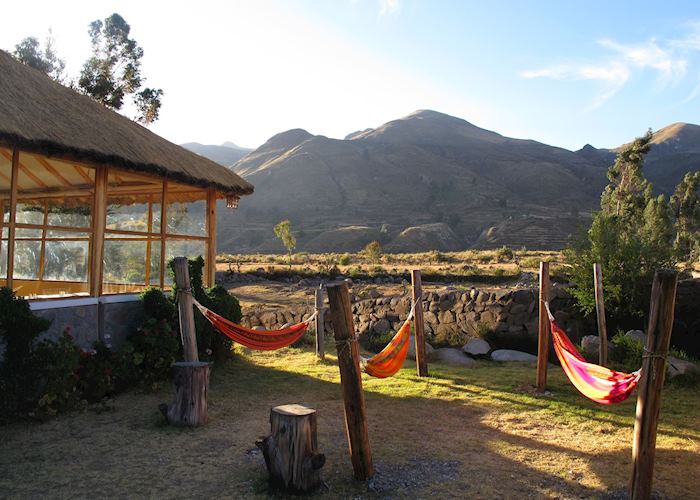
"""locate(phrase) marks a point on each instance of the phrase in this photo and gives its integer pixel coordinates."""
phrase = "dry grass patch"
(459, 433)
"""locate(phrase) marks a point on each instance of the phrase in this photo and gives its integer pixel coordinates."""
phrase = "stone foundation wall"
(449, 314)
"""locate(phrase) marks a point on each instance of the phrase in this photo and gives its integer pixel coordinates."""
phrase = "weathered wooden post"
(663, 300)
(600, 314)
(419, 327)
(291, 449)
(191, 377)
(350, 380)
(320, 339)
(543, 339)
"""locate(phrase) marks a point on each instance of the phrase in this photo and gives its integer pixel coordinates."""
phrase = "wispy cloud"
(668, 59)
(389, 6)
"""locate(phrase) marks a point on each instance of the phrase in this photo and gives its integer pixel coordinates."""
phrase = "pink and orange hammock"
(382, 365)
(598, 383)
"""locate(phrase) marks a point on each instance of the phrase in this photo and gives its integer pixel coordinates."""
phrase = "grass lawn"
(469, 433)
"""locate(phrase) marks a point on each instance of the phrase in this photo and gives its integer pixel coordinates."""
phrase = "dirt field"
(461, 433)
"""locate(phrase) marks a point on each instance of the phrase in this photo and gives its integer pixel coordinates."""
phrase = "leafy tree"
(631, 237)
(113, 73)
(283, 231)
(30, 52)
(685, 206)
(373, 251)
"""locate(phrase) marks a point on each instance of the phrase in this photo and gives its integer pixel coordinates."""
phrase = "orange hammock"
(598, 383)
(389, 360)
(261, 340)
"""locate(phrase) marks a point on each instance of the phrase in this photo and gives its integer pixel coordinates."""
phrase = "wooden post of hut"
(663, 299)
(191, 377)
(320, 339)
(350, 380)
(291, 449)
(419, 326)
(543, 339)
(600, 314)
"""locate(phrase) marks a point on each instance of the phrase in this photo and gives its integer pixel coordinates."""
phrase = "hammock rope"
(261, 340)
(598, 383)
(389, 360)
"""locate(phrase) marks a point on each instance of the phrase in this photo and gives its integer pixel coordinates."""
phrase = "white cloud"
(668, 59)
(388, 6)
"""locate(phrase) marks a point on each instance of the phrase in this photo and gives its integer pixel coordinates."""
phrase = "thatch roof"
(42, 116)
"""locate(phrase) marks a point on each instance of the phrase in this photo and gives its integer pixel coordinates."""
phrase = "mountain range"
(226, 154)
(429, 181)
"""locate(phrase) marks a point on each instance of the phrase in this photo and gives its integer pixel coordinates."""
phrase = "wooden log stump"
(291, 449)
(191, 379)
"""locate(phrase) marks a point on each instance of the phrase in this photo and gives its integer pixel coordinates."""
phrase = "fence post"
(350, 380)
(543, 339)
(185, 309)
(663, 298)
(320, 339)
(419, 326)
(600, 314)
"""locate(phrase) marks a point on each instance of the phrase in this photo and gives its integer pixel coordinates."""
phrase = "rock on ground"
(511, 355)
(429, 350)
(637, 335)
(476, 347)
(676, 367)
(591, 345)
(452, 356)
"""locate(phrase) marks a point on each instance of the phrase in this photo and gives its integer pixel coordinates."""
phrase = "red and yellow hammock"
(389, 360)
(597, 383)
(261, 340)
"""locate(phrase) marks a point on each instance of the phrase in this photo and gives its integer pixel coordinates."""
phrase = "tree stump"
(191, 379)
(291, 450)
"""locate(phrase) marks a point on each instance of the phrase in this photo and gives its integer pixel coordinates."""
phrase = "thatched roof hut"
(92, 203)
(42, 116)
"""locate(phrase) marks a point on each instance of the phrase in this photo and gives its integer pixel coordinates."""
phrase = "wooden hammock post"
(663, 299)
(191, 377)
(419, 327)
(291, 450)
(320, 339)
(600, 313)
(351, 380)
(543, 340)
(185, 309)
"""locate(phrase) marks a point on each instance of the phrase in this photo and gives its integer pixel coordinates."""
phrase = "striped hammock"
(597, 383)
(261, 340)
(389, 360)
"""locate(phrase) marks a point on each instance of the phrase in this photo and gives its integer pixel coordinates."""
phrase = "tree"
(283, 231)
(113, 73)
(373, 251)
(29, 52)
(631, 237)
(685, 206)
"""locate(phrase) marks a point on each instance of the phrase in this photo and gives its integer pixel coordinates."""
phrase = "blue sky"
(560, 72)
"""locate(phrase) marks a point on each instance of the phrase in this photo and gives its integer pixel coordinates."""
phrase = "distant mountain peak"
(287, 139)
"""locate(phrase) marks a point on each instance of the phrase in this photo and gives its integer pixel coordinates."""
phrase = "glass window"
(27, 259)
(125, 216)
(74, 211)
(66, 256)
(125, 262)
(186, 213)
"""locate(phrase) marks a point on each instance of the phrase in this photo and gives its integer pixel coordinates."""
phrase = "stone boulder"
(452, 356)
(678, 367)
(476, 348)
(591, 346)
(511, 355)
(382, 326)
(637, 335)
(412, 349)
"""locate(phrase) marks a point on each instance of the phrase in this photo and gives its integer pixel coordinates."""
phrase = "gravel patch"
(414, 474)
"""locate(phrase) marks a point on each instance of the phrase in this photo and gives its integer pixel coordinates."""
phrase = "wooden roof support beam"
(52, 170)
(84, 174)
(24, 168)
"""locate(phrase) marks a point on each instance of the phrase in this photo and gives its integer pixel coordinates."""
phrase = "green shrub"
(58, 365)
(375, 342)
(345, 260)
(19, 380)
(157, 306)
(505, 254)
(626, 353)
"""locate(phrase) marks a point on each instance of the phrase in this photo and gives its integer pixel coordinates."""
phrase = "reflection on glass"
(66, 260)
(126, 217)
(124, 262)
(187, 218)
(30, 212)
(3, 259)
(154, 278)
(70, 212)
(27, 258)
